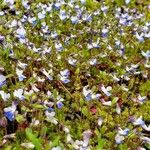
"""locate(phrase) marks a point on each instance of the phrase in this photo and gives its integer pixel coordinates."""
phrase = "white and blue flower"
(64, 76)
(146, 54)
(59, 47)
(2, 80)
(124, 132)
(20, 75)
(9, 112)
(119, 139)
(74, 19)
(106, 90)
(5, 96)
(19, 94)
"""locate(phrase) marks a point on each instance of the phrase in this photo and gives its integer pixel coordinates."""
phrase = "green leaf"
(8, 147)
(20, 118)
(43, 131)
(147, 146)
(36, 141)
(101, 143)
(123, 147)
(30, 80)
(56, 141)
(145, 87)
(38, 106)
(85, 111)
(9, 75)
(114, 101)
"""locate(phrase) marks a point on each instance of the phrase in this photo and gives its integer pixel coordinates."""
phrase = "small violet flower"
(22, 65)
(127, 2)
(21, 33)
(59, 104)
(146, 54)
(20, 74)
(62, 15)
(100, 121)
(54, 35)
(119, 139)
(47, 74)
(106, 90)
(1, 13)
(41, 15)
(104, 32)
(11, 2)
(2, 80)
(4, 95)
(1, 39)
(65, 73)
(19, 94)
(139, 37)
(57, 148)
(87, 93)
(50, 117)
(58, 47)
(104, 9)
(138, 121)
(83, 1)
(57, 6)
(74, 19)
(9, 112)
(72, 61)
(141, 99)
(93, 61)
(123, 132)
(64, 76)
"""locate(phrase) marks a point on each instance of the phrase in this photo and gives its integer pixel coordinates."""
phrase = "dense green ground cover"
(74, 74)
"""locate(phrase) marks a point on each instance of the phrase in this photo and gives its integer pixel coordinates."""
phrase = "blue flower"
(83, 1)
(2, 80)
(124, 132)
(1, 38)
(47, 74)
(93, 61)
(104, 33)
(119, 139)
(10, 2)
(139, 37)
(65, 73)
(62, 15)
(146, 54)
(64, 80)
(21, 33)
(9, 115)
(50, 109)
(74, 19)
(20, 74)
(59, 47)
(54, 35)
(41, 15)
(64, 76)
(1, 13)
(87, 93)
(60, 104)
(57, 6)
(139, 121)
(127, 2)
(9, 112)
(19, 94)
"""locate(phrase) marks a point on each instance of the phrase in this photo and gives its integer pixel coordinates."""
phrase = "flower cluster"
(79, 67)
